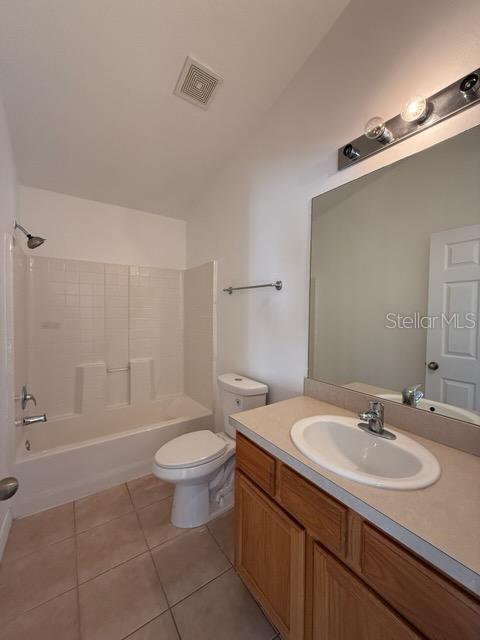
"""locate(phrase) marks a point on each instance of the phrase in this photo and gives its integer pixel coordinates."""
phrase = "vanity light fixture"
(419, 113)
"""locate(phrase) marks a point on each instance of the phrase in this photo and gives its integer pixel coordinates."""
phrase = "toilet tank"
(238, 393)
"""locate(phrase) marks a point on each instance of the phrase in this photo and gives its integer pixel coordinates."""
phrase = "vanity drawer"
(433, 604)
(258, 465)
(324, 517)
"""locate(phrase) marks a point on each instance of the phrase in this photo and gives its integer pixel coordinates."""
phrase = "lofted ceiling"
(88, 89)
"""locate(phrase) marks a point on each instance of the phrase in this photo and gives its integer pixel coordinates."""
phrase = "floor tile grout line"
(110, 520)
(102, 524)
(77, 589)
(37, 606)
(147, 623)
(163, 591)
(150, 551)
(120, 564)
(218, 545)
(134, 509)
(170, 607)
(175, 623)
(185, 532)
(74, 518)
(152, 560)
(76, 531)
(201, 587)
(74, 537)
(130, 496)
(143, 625)
(7, 561)
(143, 506)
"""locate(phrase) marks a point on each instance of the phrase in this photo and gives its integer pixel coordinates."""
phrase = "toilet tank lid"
(241, 385)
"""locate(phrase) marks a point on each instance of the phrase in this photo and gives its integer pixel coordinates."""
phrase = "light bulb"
(415, 110)
(375, 129)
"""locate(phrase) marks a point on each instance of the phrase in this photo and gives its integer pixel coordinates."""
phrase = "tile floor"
(111, 566)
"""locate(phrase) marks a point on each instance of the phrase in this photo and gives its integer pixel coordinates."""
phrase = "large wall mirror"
(395, 281)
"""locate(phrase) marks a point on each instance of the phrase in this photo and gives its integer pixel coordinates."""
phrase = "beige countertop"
(440, 523)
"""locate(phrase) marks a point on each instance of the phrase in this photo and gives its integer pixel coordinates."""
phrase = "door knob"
(433, 366)
(8, 488)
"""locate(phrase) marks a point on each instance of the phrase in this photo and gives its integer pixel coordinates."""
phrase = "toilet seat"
(191, 450)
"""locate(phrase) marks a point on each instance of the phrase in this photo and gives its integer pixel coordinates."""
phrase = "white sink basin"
(433, 406)
(338, 444)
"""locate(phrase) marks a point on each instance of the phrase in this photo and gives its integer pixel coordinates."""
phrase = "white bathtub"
(72, 457)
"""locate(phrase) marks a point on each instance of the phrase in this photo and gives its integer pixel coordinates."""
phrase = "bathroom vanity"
(329, 558)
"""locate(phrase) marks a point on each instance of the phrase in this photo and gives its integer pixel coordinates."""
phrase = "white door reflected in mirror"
(453, 296)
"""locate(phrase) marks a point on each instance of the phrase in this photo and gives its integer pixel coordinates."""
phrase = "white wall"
(79, 229)
(255, 218)
(7, 215)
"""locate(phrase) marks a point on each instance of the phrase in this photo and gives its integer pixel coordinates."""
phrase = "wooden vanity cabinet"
(321, 572)
(270, 557)
(345, 608)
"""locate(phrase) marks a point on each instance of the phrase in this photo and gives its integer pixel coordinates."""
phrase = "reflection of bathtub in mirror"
(432, 406)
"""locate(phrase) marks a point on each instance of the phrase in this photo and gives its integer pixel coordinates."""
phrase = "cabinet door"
(346, 609)
(270, 557)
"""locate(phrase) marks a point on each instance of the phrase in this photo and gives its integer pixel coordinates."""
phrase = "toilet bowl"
(192, 463)
(201, 464)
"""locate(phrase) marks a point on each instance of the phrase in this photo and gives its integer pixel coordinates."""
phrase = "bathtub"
(72, 457)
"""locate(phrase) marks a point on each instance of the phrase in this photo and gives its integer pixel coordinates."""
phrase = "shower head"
(32, 241)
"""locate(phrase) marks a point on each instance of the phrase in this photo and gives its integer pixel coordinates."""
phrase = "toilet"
(201, 464)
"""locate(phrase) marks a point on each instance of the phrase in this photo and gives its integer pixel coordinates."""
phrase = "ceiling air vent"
(197, 83)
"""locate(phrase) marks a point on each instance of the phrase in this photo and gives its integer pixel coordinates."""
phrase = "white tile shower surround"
(111, 567)
(86, 313)
(199, 290)
(19, 310)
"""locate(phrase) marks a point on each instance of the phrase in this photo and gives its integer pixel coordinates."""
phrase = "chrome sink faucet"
(374, 421)
(412, 395)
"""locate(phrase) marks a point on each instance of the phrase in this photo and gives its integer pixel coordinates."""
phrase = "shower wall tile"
(116, 316)
(118, 388)
(155, 324)
(66, 327)
(90, 388)
(142, 389)
(198, 333)
(20, 296)
(116, 332)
